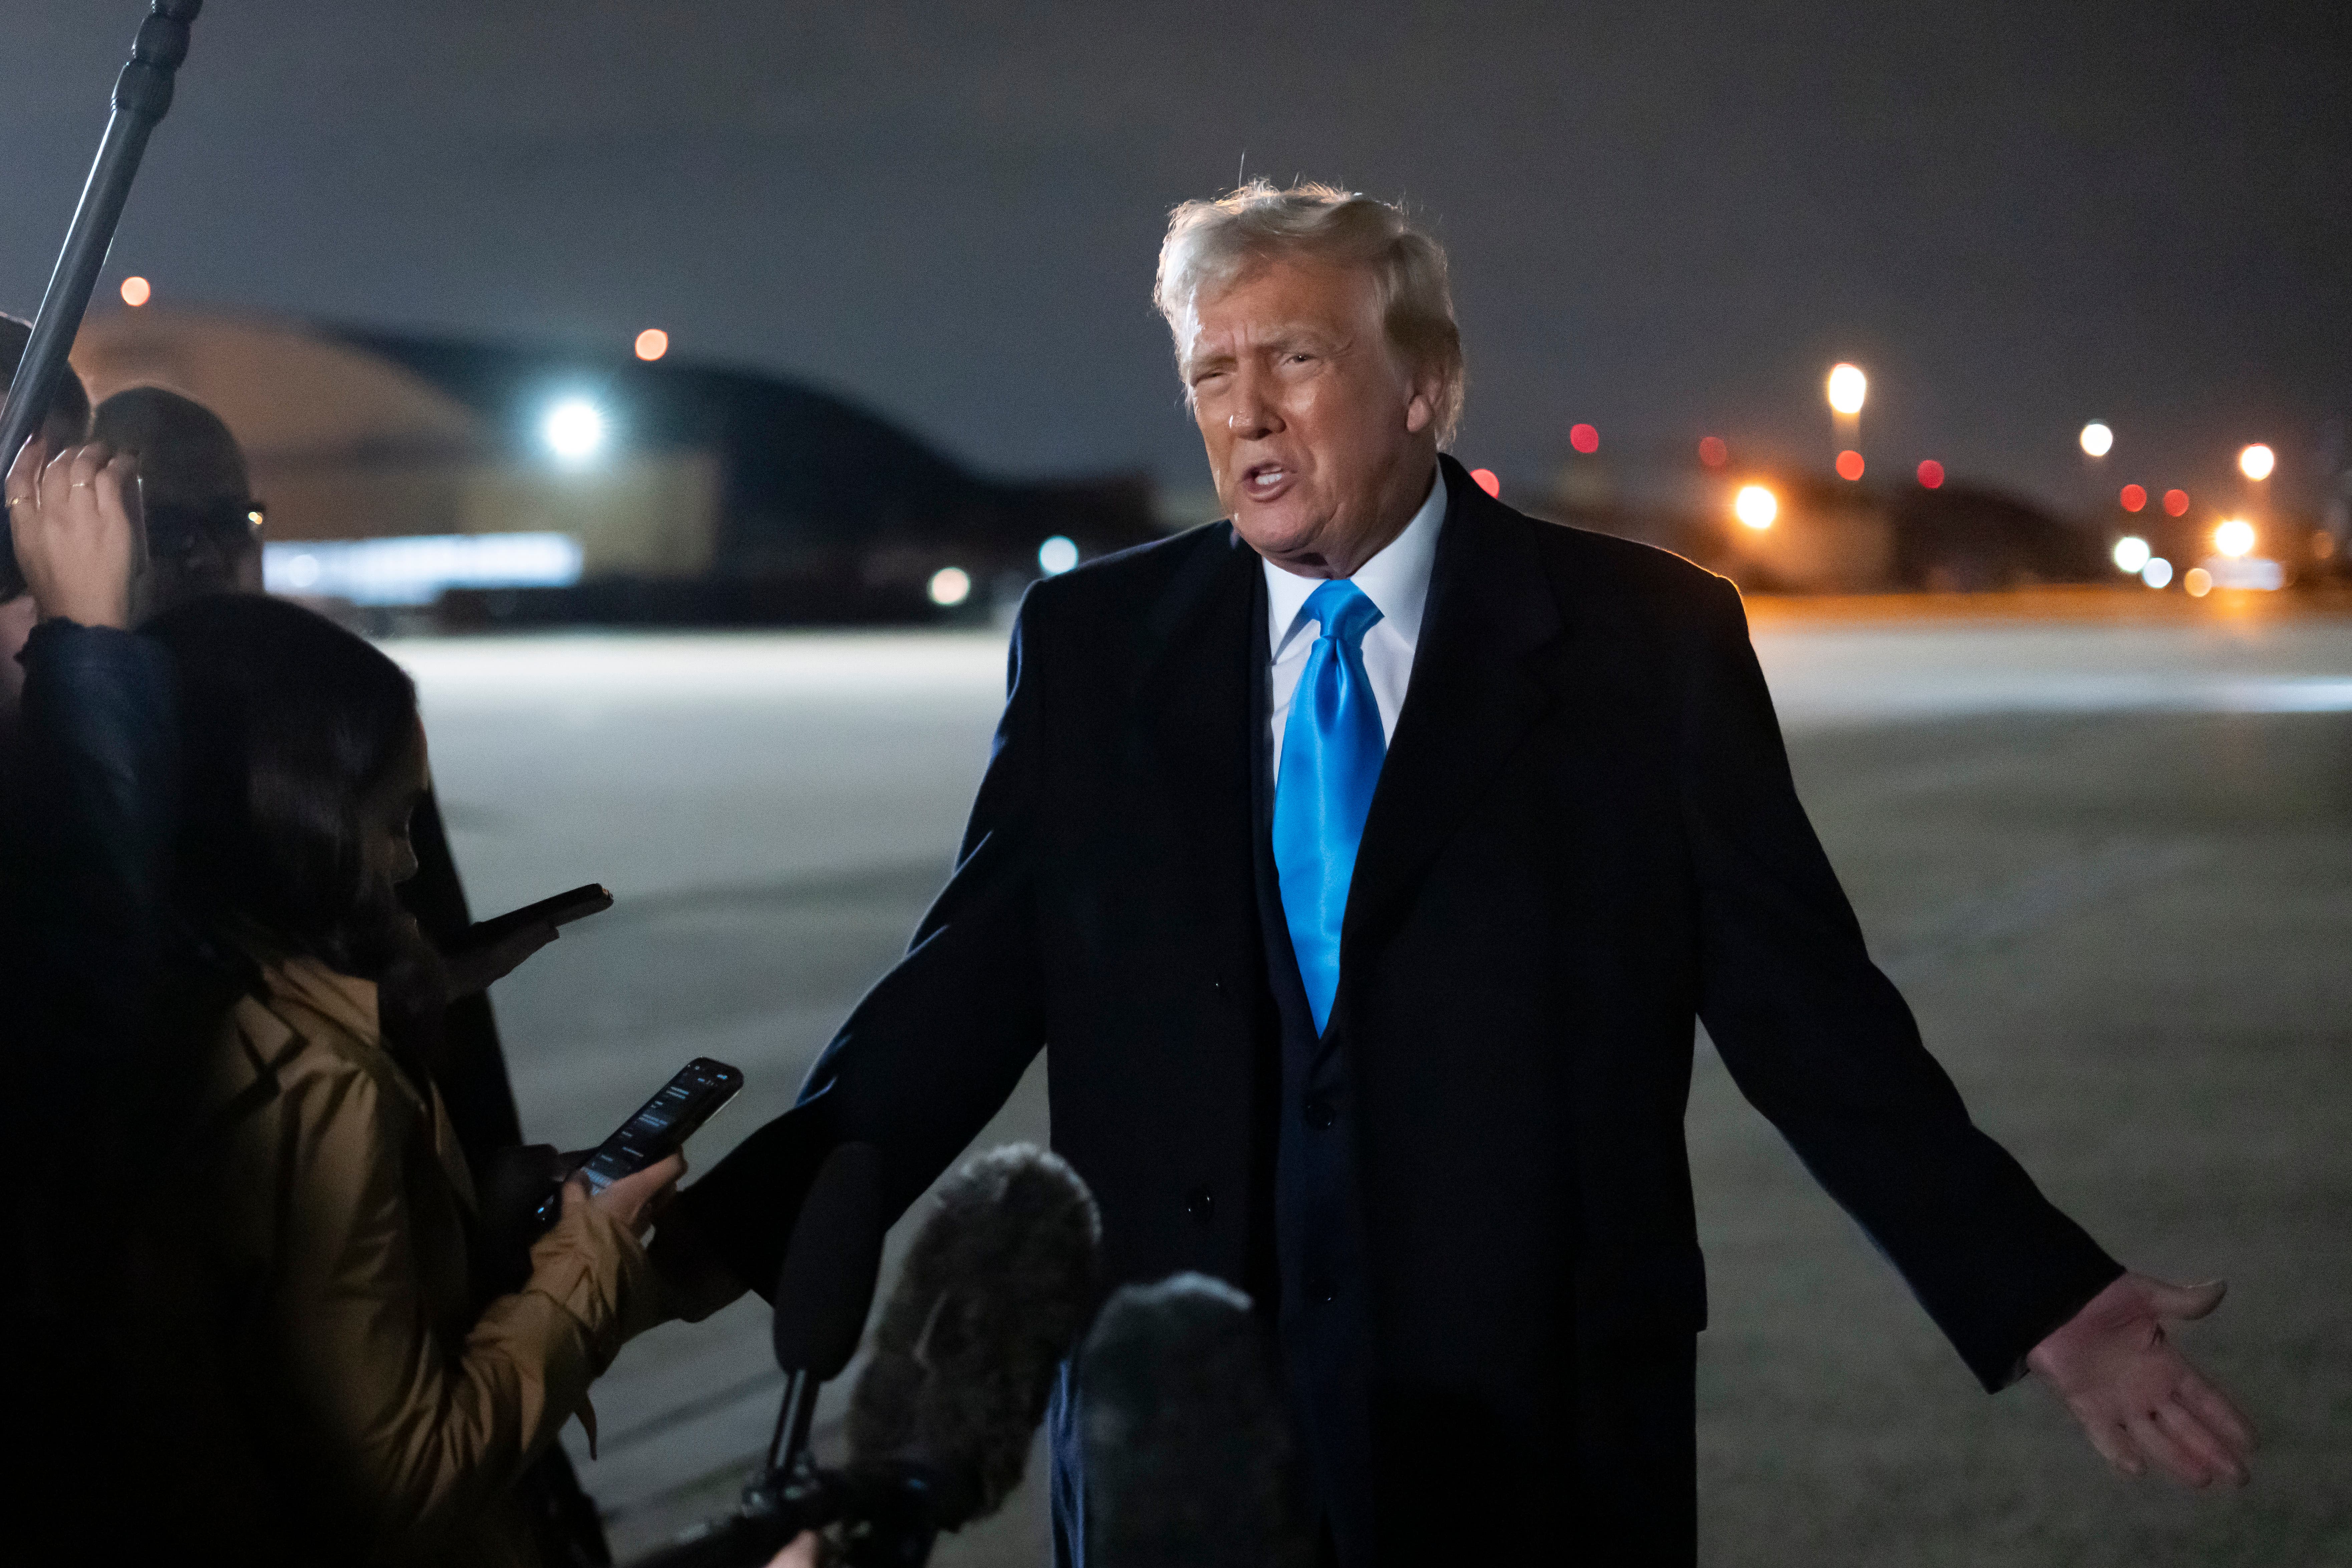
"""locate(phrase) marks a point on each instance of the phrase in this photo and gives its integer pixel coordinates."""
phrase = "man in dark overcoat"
(1362, 863)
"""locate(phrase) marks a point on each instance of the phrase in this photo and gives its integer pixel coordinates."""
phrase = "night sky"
(1665, 220)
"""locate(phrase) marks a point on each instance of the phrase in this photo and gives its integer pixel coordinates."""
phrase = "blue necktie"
(1331, 752)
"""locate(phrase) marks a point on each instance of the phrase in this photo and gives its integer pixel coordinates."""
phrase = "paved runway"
(2109, 860)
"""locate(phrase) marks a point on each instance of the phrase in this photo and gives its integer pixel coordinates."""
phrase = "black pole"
(143, 95)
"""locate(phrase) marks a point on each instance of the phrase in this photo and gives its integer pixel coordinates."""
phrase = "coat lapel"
(1478, 686)
(1192, 706)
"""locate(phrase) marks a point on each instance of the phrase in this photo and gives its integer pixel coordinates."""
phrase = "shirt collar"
(1396, 580)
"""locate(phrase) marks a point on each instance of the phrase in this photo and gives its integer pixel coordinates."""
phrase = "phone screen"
(664, 1122)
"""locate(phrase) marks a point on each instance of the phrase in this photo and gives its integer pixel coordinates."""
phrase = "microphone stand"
(893, 1511)
(142, 95)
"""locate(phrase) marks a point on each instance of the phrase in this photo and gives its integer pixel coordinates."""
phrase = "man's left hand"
(2135, 1395)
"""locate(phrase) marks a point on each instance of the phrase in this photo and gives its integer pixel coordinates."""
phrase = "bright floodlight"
(2131, 554)
(2097, 439)
(2157, 572)
(1848, 387)
(574, 429)
(1057, 555)
(1756, 507)
(950, 586)
(2234, 537)
(2257, 461)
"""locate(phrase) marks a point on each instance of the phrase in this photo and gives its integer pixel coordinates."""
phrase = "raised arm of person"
(89, 838)
(932, 1052)
(1820, 1042)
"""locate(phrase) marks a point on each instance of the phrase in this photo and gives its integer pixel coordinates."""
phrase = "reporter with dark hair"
(310, 1293)
(203, 537)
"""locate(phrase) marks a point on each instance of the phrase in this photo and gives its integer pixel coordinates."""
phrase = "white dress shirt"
(1397, 582)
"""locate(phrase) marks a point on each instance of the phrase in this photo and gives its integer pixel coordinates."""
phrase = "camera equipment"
(143, 95)
(990, 1298)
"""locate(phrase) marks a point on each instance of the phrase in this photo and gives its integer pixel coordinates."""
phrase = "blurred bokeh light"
(2257, 461)
(1931, 474)
(1848, 388)
(1849, 464)
(2097, 439)
(652, 344)
(1755, 506)
(2134, 498)
(1584, 438)
(136, 291)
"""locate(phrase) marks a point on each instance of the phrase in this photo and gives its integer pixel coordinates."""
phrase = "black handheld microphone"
(1189, 1458)
(825, 1288)
(990, 1298)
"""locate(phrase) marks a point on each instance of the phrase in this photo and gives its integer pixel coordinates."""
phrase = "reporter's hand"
(801, 1553)
(2137, 1397)
(635, 1201)
(473, 970)
(78, 537)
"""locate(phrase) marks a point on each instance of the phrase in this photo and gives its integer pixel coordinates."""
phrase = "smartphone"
(589, 898)
(700, 1088)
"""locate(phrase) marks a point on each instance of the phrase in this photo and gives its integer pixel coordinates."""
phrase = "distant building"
(1821, 535)
(615, 489)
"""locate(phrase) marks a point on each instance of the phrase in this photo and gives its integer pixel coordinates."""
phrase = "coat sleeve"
(88, 846)
(1820, 1042)
(419, 1432)
(937, 1046)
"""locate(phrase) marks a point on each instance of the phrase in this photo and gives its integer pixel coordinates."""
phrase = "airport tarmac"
(2109, 859)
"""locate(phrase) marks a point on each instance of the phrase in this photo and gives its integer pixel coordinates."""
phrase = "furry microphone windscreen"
(1188, 1454)
(992, 1297)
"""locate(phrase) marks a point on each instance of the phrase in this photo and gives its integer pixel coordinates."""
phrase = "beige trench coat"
(331, 1203)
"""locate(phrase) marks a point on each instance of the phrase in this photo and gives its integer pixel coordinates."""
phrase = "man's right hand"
(75, 525)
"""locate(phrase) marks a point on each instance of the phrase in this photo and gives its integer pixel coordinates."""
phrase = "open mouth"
(1266, 482)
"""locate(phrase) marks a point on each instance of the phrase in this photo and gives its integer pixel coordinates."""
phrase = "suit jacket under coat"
(1585, 837)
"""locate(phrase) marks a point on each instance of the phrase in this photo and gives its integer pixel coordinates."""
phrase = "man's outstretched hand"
(2136, 1394)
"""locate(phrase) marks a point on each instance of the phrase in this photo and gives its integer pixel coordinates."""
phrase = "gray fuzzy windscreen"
(1190, 1459)
(992, 1297)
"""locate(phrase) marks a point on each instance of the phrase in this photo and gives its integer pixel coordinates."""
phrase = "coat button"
(1202, 1205)
(1319, 1115)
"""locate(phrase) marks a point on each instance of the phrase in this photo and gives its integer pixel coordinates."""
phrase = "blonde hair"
(1212, 244)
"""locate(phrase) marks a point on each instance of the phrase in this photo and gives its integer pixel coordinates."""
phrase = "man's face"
(1320, 440)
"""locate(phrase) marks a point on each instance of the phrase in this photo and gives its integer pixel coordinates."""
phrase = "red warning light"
(1486, 479)
(2134, 498)
(1849, 465)
(2176, 501)
(1931, 474)
(1713, 452)
(1584, 438)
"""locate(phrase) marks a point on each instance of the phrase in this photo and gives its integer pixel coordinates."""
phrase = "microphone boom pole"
(142, 95)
